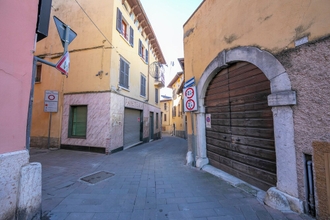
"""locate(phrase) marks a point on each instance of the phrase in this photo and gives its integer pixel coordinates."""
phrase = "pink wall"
(17, 34)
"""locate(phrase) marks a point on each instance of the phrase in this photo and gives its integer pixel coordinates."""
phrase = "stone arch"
(281, 99)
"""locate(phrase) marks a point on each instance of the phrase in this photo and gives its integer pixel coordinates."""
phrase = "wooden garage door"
(241, 138)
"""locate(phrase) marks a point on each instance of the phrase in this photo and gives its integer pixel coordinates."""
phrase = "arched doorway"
(281, 98)
(241, 138)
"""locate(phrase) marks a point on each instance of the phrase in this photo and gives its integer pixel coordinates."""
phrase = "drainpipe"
(311, 187)
(148, 73)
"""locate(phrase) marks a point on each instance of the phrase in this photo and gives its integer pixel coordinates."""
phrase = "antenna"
(156, 70)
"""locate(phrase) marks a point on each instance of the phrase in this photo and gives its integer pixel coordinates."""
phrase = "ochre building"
(262, 77)
(110, 99)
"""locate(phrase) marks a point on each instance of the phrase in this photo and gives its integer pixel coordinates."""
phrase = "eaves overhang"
(141, 16)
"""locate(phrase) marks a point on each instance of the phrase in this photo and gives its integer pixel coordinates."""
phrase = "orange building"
(262, 83)
(110, 100)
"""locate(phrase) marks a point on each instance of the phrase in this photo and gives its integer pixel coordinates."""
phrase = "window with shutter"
(123, 73)
(124, 28)
(131, 38)
(143, 86)
(140, 48)
(143, 52)
(119, 21)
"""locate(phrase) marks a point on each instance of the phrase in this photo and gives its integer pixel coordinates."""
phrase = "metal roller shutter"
(241, 138)
(132, 127)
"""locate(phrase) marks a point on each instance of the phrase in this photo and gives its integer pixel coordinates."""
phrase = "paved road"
(150, 181)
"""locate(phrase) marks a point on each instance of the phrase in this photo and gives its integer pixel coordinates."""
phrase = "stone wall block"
(29, 193)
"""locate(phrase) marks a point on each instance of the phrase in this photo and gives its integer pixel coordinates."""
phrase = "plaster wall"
(17, 28)
(71, 14)
(273, 26)
(116, 121)
(308, 69)
(98, 119)
(51, 79)
(94, 61)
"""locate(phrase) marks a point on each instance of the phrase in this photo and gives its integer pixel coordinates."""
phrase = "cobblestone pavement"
(150, 181)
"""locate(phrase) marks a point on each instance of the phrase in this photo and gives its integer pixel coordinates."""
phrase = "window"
(143, 52)
(179, 112)
(78, 121)
(165, 106)
(124, 29)
(174, 111)
(164, 117)
(156, 95)
(123, 73)
(157, 120)
(143, 86)
(38, 74)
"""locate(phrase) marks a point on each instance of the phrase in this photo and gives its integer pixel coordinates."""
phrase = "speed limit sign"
(190, 102)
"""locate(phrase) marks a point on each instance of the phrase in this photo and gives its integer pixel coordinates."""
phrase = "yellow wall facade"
(166, 124)
(178, 118)
(273, 26)
(94, 59)
(268, 34)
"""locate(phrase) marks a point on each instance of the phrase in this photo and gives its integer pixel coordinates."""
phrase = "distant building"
(110, 100)
(178, 123)
(166, 109)
(262, 76)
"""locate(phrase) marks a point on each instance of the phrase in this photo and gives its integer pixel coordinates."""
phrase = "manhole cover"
(97, 177)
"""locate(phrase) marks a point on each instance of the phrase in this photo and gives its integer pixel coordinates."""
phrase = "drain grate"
(97, 177)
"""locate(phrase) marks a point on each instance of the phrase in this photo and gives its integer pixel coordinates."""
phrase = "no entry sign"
(190, 101)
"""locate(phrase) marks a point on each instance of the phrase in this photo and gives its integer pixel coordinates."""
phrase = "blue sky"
(167, 18)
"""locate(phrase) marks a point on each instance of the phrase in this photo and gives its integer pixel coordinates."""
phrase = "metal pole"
(193, 139)
(29, 118)
(66, 42)
(45, 61)
(49, 127)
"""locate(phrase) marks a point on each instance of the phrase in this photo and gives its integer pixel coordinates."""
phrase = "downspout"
(148, 73)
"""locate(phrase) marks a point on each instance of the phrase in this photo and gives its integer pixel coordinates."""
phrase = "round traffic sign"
(51, 97)
(190, 104)
(189, 93)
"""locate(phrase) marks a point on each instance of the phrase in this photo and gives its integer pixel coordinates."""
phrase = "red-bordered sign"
(63, 64)
(189, 93)
(51, 97)
(190, 105)
(190, 101)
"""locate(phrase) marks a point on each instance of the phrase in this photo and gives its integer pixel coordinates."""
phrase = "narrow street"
(149, 181)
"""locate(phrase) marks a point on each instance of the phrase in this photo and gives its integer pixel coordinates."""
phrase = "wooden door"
(241, 138)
